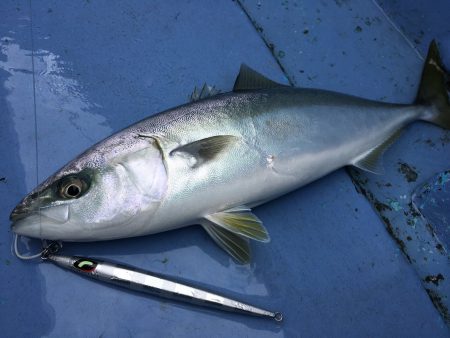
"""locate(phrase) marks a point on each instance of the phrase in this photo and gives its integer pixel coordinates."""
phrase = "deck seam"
(397, 29)
(266, 41)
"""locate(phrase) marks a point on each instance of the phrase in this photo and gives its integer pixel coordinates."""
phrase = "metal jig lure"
(148, 282)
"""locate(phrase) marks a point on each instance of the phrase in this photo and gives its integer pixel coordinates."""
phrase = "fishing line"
(16, 238)
(45, 248)
(392, 23)
(35, 118)
(19, 255)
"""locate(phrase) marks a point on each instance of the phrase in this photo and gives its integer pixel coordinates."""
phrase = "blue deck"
(72, 73)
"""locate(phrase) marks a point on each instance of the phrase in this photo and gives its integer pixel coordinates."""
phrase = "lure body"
(154, 284)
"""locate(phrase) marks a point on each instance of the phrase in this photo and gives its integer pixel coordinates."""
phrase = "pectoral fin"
(205, 149)
(236, 246)
(242, 222)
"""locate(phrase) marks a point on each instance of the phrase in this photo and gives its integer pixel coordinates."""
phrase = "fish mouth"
(58, 213)
(20, 212)
(20, 218)
(29, 221)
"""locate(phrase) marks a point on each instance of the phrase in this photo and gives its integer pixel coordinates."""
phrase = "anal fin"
(236, 246)
(371, 160)
(241, 221)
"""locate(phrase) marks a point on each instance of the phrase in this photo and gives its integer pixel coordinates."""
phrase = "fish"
(211, 161)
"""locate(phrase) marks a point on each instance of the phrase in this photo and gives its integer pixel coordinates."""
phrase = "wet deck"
(350, 254)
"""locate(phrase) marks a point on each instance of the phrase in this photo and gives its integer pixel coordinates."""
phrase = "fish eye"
(72, 187)
(72, 190)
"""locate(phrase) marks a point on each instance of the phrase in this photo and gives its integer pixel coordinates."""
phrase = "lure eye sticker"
(85, 265)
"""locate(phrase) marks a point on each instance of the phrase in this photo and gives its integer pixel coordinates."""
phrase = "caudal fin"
(433, 91)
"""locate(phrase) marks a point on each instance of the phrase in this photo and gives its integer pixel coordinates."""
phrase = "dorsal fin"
(248, 79)
(371, 160)
(205, 92)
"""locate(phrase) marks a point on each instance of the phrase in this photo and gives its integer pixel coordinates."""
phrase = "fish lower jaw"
(38, 226)
(28, 230)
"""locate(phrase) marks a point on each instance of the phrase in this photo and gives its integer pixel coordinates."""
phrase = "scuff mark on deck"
(409, 172)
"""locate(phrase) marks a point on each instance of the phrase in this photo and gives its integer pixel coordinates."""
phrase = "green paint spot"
(85, 263)
(358, 29)
(281, 54)
(165, 260)
(7, 262)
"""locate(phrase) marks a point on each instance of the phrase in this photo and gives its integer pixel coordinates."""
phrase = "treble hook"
(51, 249)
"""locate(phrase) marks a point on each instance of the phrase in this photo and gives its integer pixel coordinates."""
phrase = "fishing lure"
(151, 283)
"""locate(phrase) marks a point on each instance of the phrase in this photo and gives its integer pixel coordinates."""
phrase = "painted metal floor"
(72, 73)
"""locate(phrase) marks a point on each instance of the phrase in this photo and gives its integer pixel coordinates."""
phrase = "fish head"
(111, 191)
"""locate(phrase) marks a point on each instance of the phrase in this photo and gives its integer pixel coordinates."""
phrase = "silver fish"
(155, 284)
(210, 161)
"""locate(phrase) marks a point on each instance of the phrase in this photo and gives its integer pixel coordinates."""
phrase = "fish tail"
(433, 91)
